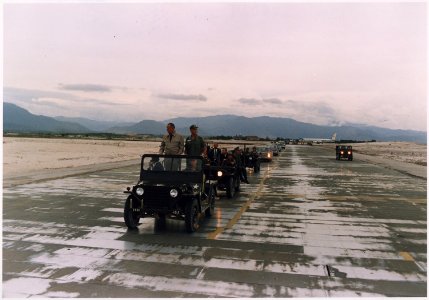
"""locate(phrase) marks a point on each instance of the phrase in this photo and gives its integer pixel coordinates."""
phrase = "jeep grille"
(157, 198)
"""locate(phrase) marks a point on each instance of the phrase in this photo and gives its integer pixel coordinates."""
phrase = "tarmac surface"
(306, 226)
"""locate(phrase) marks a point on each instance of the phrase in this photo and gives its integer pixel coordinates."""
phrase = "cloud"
(272, 101)
(45, 97)
(182, 97)
(253, 101)
(11, 94)
(250, 101)
(85, 87)
(314, 112)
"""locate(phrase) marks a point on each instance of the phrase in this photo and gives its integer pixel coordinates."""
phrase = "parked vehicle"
(344, 152)
(170, 186)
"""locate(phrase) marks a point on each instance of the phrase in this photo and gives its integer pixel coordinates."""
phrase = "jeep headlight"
(140, 191)
(174, 193)
(219, 173)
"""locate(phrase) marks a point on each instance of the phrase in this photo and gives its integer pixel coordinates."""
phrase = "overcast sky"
(325, 63)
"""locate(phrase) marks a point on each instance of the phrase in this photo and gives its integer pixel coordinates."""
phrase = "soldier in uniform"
(194, 146)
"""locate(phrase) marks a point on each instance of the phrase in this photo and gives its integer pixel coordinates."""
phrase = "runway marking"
(213, 235)
(407, 256)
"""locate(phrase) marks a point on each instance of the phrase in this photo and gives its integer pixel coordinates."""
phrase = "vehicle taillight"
(342, 152)
(349, 152)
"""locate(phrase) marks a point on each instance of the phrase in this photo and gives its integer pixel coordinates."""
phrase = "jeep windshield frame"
(171, 169)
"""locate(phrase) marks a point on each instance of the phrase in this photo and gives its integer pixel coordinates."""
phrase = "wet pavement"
(306, 226)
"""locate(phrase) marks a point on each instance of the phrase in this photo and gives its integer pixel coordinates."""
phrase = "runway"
(306, 226)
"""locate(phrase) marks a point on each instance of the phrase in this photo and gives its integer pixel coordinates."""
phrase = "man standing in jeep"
(172, 143)
(194, 144)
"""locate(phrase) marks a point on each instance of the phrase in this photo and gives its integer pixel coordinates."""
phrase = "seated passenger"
(155, 164)
(229, 161)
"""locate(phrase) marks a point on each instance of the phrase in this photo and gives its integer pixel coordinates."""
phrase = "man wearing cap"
(172, 142)
(194, 144)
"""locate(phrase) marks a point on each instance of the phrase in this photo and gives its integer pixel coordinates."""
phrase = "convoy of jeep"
(185, 187)
(182, 187)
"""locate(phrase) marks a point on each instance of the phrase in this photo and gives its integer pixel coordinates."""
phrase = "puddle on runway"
(326, 229)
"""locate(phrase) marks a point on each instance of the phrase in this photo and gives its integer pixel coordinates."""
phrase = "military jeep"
(170, 186)
(343, 152)
(227, 178)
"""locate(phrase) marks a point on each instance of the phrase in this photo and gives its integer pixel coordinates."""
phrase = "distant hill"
(17, 119)
(143, 127)
(231, 125)
(100, 126)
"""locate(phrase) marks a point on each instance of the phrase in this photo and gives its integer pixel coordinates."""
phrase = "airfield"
(306, 226)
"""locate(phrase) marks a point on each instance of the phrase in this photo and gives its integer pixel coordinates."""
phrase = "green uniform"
(194, 147)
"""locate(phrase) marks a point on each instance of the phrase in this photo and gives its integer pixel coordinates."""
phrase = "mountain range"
(17, 119)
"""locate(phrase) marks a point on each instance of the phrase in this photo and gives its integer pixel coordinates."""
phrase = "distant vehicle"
(170, 186)
(344, 152)
(265, 153)
(320, 140)
(282, 144)
(275, 150)
(227, 177)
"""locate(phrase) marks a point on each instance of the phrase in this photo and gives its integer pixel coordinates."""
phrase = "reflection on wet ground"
(306, 226)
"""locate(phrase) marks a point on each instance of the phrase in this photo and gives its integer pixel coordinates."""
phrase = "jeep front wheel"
(230, 187)
(237, 184)
(131, 213)
(191, 216)
(211, 196)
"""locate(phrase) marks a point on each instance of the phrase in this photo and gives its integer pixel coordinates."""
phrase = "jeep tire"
(230, 187)
(211, 199)
(131, 217)
(191, 216)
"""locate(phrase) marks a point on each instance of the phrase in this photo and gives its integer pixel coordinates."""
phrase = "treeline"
(101, 136)
(238, 137)
(129, 137)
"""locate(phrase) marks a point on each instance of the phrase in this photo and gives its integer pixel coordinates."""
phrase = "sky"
(327, 63)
